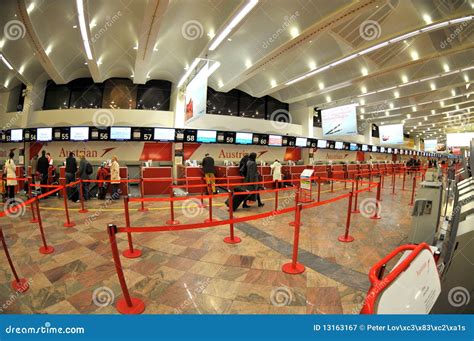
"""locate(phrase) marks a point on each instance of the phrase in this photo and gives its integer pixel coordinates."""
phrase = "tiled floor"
(194, 271)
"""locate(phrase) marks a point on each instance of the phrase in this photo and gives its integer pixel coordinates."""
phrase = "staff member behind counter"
(208, 170)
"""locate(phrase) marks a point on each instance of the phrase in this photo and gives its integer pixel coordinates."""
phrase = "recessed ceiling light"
(408, 116)
(441, 103)
(414, 55)
(433, 86)
(361, 117)
(446, 67)
(413, 108)
(362, 101)
(74, 26)
(466, 78)
(294, 32)
(220, 84)
(425, 118)
(363, 89)
(457, 107)
(433, 112)
(453, 92)
(328, 99)
(273, 83)
(229, 39)
(404, 79)
(427, 18)
(248, 63)
(312, 65)
(362, 110)
(391, 105)
(396, 94)
(364, 71)
(30, 8)
(321, 85)
(387, 113)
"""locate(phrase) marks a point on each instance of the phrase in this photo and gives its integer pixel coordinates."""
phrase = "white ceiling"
(277, 42)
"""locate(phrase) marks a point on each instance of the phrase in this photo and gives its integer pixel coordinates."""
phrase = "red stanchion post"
(18, 284)
(276, 194)
(68, 222)
(33, 218)
(319, 188)
(172, 221)
(346, 238)
(356, 208)
(370, 180)
(127, 304)
(413, 191)
(394, 183)
(131, 252)
(332, 186)
(201, 202)
(294, 267)
(377, 204)
(297, 200)
(45, 249)
(404, 176)
(209, 220)
(380, 184)
(232, 239)
(81, 197)
(142, 195)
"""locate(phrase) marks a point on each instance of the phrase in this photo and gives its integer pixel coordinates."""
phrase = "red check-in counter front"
(321, 171)
(338, 172)
(266, 175)
(352, 171)
(231, 173)
(191, 176)
(164, 174)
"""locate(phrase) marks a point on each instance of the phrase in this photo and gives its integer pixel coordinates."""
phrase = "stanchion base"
(229, 240)
(138, 306)
(376, 217)
(83, 211)
(293, 270)
(356, 211)
(173, 222)
(46, 249)
(143, 209)
(34, 220)
(202, 205)
(293, 223)
(71, 224)
(345, 240)
(208, 220)
(21, 286)
(129, 254)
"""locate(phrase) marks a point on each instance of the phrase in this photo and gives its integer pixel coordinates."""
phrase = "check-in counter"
(266, 175)
(352, 171)
(231, 173)
(321, 171)
(191, 176)
(164, 174)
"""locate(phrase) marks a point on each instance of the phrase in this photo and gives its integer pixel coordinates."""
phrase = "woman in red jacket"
(102, 174)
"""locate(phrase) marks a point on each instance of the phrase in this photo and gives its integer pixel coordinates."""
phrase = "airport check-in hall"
(238, 157)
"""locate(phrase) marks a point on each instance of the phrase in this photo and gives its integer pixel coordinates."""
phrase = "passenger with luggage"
(102, 174)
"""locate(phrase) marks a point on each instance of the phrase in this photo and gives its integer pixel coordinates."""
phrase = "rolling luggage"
(238, 199)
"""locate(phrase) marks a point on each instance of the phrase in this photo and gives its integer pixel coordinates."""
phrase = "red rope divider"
(18, 284)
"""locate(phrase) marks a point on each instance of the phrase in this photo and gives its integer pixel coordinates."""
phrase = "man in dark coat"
(252, 176)
(71, 170)
(42, 168)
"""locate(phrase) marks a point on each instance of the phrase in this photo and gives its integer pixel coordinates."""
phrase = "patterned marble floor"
(194, 271)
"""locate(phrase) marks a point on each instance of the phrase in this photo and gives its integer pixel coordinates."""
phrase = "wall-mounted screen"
(207, 136)
(301, 141)
(365, 148)
(163, 134)
(389, 150)
(275, 140)
(243, 138)
(16, 135)
(374, 149)
(382, 149)
(322, 143)
(120, 133)
(79, 133)
(339, 121)
(44, 134)
(339, 145)
(353, 146)
(391, 134)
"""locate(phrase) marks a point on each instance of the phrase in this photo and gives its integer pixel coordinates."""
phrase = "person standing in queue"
(243, 165)
(43, 166)
(276, 172)
(10, 171)
(102, 174)
(34, 168)
(71, 170)
(252, 176)
(208, 170)
(115, 178)
(85, 169)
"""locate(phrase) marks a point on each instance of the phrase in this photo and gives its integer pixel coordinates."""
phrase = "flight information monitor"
(79, 133)
(301, 141)
(244, 138)
(120, 133)
(16, 135)
(275, 140)
(322, 143)
(163, 134)
(207, 136)
(44, 134)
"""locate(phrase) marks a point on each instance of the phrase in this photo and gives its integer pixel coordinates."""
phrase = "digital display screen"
(275, 140)
(16, 135)
(163, 134)
(207, 136)
(353, 146)
(382, 149)
(389, 150)
(226, 137)
(79, 133)
(120, 133)
(339, 145)
(365, 148)
(322, 143)
(374, 149)
(301, 141)
(44, 134)
(244, 138)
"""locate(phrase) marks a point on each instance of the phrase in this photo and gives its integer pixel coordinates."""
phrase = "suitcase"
(238, 199)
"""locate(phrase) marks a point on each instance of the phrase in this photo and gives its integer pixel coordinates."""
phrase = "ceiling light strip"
(83, 28)
(5, 61)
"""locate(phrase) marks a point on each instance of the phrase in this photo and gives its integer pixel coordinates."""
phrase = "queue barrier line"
(20, 285)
